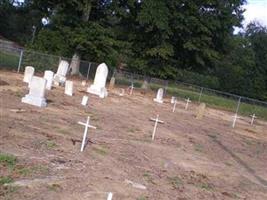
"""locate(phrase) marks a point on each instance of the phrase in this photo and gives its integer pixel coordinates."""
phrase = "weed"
(175, 181)
(199, 147)
(50, 144)
(205, 186)
(5, 179)
(54, 187)
(142, 198)
(8, 160)
(100, 150)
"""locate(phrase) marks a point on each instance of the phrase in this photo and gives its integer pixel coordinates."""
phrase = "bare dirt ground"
(189, 158)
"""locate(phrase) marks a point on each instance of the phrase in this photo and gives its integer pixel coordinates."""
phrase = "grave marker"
(174, 105)
(69, 88)
(155, 126)
(87, 125)
(187, 102)
(112, 83)
(110, 196)
(48, 76)
(200, 111)
(173, 99)
(131, 87)
(60, 76)
(159, 98)
(253, 117)
(235, 117)
(28, 74)
(36, 94)
(99, 85)
(84, 83)
(122, 91)
(84, 100)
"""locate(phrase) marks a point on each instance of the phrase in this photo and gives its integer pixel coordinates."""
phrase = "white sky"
(255, 10)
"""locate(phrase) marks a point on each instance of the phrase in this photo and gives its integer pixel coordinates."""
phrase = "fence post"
(20, 60)
(89, 67)
(200, 94)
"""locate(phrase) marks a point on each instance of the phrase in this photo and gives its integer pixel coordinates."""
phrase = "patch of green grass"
(142, 198)
(205, 186)
(175, 181)
(36, 169)
(100, 150)
(24, 171)
(54, 187)
(8, 160)
(50, 144)
(199, 147)
(5, 179)
(9, 60)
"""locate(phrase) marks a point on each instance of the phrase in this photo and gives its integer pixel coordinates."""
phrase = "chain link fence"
(17, 59)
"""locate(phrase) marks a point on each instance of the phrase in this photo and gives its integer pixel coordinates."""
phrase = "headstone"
(85, 100)
(200, 111)
(69, 88)
(60, 76)
(36, 94)
(145, 85)
(87, 125)
(28, 74)
(48, 76)
(112, 83)
(84, 83)
(110, 196)
(99, 85)
(122, 92)
(159, 98)
(130, 88)
(155, 125)
(173, 99)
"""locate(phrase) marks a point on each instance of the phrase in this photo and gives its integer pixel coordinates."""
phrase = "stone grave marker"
(69, 88)
(200, 111)
(36, 94)
(174, 105)
(84, 83)
(60, 76)
(155, 125)
(87, 125)
(84, 100)
(112, 83)
(159, 98)
(48, 76)
(122, 92)
(99, 85)
(110, 195)
(28, 74)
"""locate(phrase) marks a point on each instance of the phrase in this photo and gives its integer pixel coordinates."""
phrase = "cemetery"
(66, 138)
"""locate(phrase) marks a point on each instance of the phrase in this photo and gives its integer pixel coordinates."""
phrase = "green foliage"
(5, 179)
(7, 160)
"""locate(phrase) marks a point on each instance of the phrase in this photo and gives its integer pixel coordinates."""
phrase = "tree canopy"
(153, 37)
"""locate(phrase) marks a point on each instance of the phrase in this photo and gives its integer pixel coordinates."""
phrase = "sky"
(255, 10)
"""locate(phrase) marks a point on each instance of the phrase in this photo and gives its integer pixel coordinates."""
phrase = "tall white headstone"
(159, 98)
(84, 100)
(48, 76)
(69, 88)
(60, 76)
(36, 94)
(28, 74)
(99, 85)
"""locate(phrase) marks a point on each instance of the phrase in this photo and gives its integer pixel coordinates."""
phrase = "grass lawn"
(9, 60)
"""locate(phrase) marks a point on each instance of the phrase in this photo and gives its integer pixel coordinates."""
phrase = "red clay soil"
(189, 158)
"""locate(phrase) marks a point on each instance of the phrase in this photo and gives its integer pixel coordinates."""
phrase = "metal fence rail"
(17, 59)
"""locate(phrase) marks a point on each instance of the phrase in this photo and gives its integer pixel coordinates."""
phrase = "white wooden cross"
(110, 196)
(187, 101)
(155, 126)
(234, 121)
(253, 117)
(131, 89)
(87, 125)
(174, 105)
